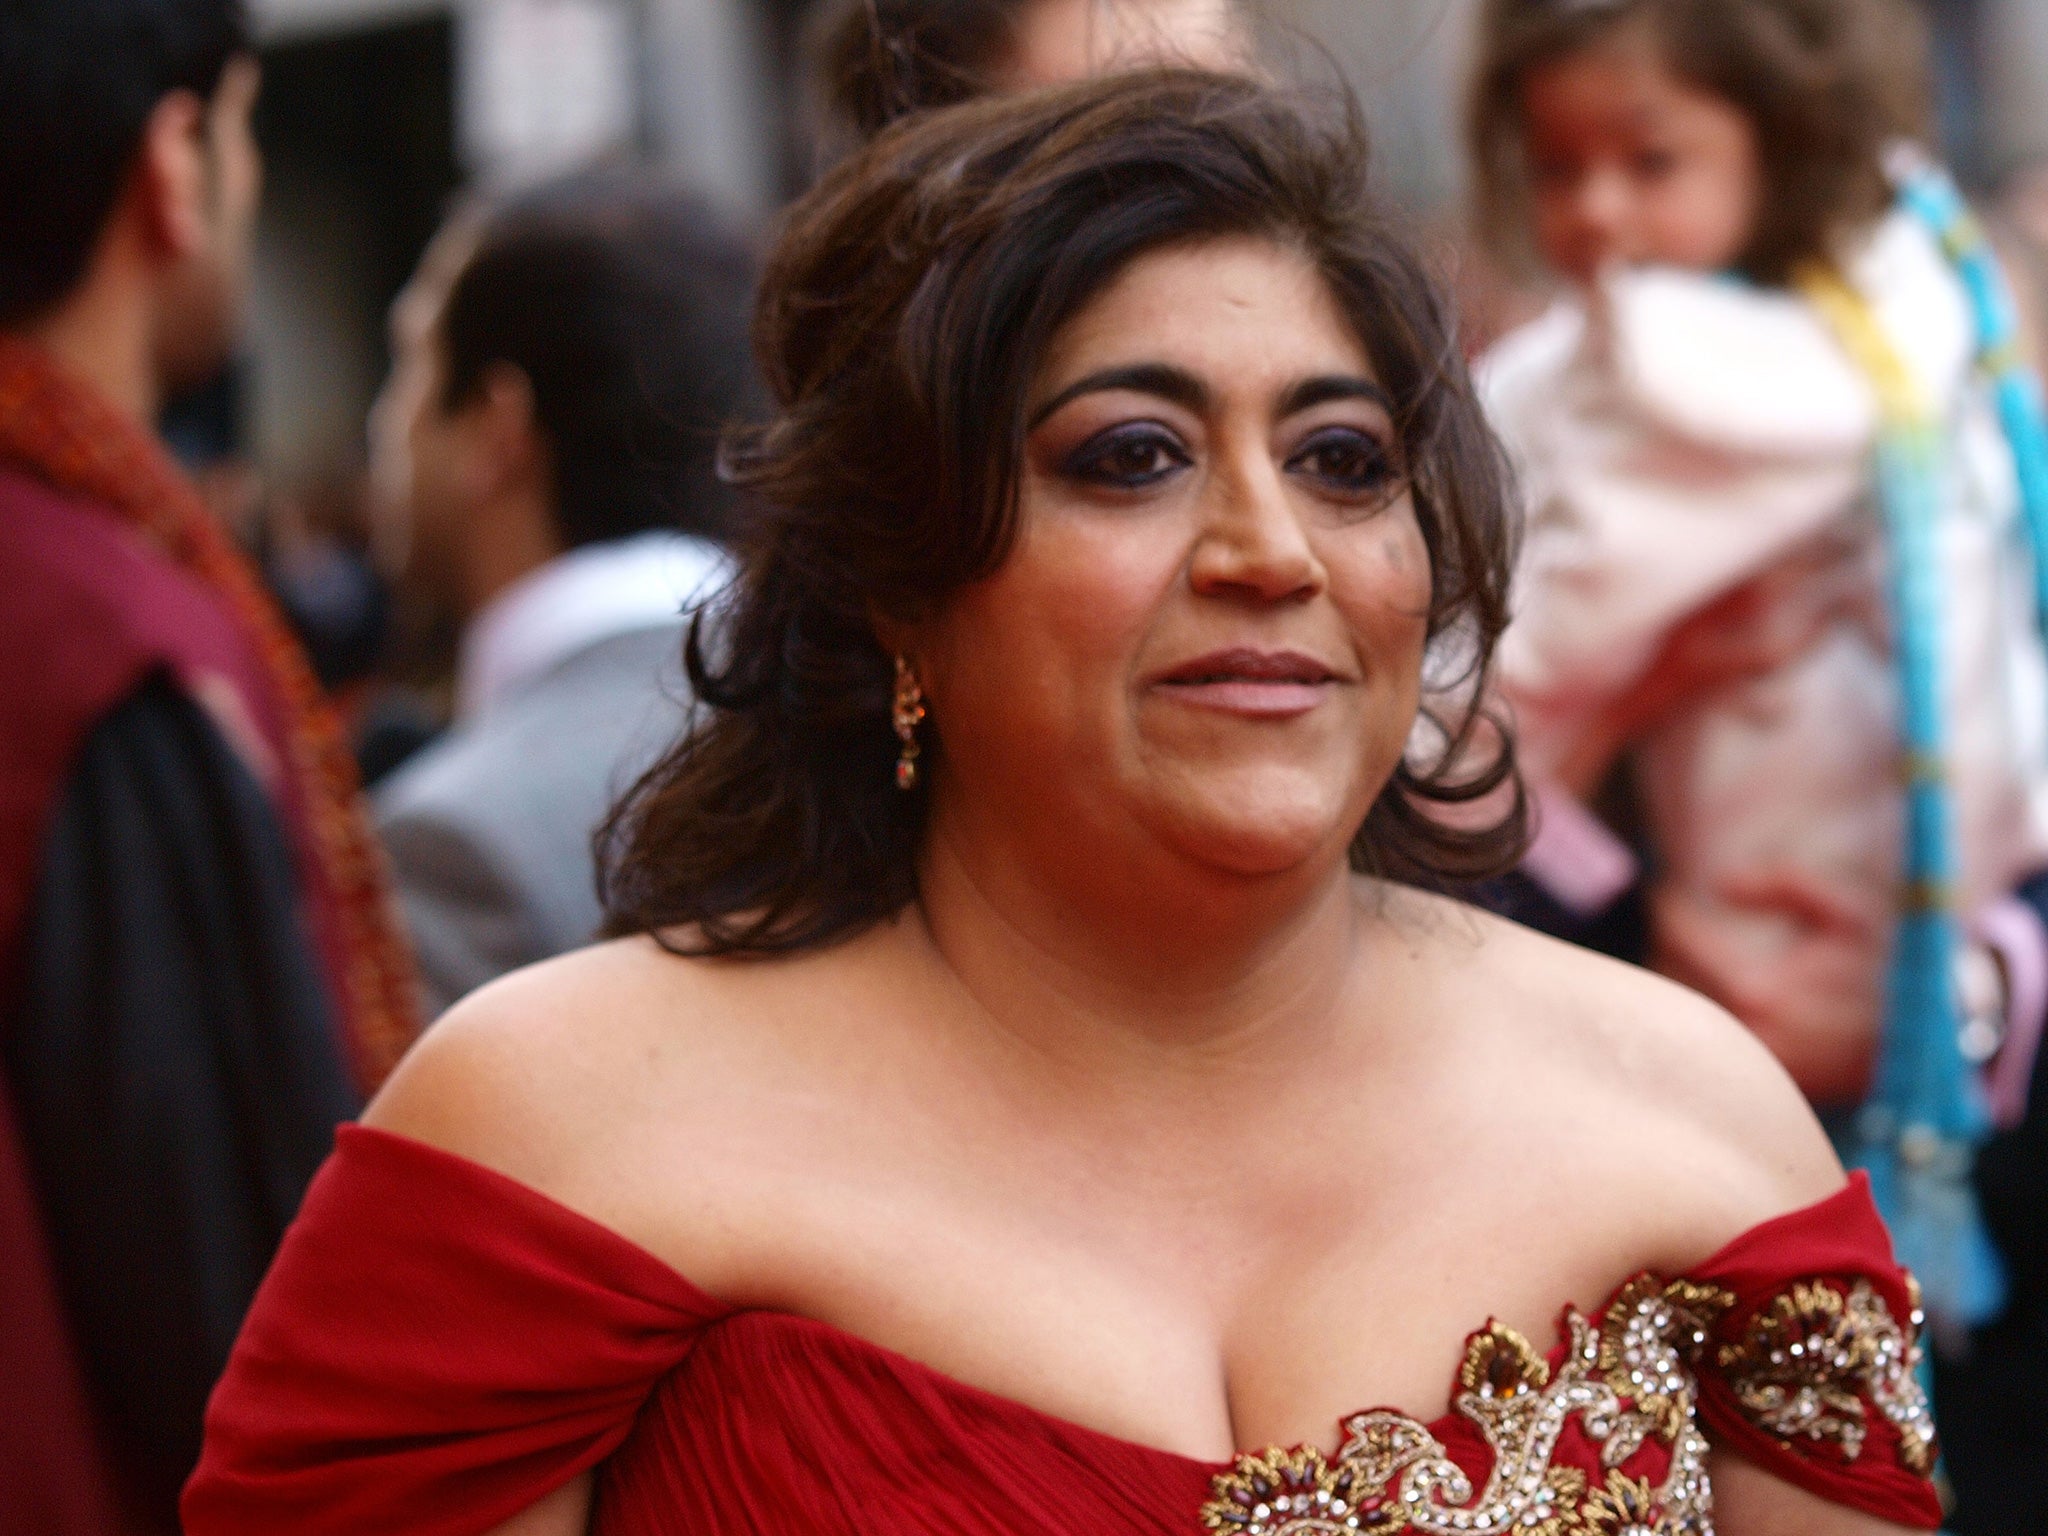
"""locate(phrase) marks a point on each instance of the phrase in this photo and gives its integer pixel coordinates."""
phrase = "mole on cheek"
(1406, 559)
(1401, 547)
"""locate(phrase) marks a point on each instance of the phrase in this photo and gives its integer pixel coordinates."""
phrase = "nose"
(1600, 207)
(1253, 543)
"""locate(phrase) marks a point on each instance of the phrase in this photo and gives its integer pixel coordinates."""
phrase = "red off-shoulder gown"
(438, 1347)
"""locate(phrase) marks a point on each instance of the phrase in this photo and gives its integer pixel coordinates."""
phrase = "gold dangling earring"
(908, 714)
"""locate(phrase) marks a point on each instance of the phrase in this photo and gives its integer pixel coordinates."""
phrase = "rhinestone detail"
(1804, 1369)
(1813, 1359)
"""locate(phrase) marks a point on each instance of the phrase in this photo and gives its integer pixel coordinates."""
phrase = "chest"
(1197, 1297)
(807, 1429)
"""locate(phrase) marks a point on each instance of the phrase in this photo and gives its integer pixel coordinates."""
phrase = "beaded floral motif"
(1627, 1382)
(1810, 1366)
(1811, 1358)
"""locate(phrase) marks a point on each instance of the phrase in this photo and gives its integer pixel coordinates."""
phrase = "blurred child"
(1781, 357)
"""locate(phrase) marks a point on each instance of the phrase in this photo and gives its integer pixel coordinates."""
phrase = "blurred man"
(546, 447)
(193, 943)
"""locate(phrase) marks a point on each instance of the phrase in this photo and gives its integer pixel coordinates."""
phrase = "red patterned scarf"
(65, 434)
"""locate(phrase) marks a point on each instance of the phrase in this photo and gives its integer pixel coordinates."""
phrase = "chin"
(1251, 860)
(1256, 840)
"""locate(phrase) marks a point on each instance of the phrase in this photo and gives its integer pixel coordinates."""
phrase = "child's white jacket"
(1677, 434)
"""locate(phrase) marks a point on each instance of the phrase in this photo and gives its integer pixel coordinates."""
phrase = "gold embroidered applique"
(1652, 1337)
(1810, 1366)
(1811, 1358)
(1297, 1491)
(1628, 1382)
(1499, 1362)
(1622, 1508)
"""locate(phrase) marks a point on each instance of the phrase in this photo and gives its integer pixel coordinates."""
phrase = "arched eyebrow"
(1161, 379)
(1320, 391)
(1184, 389)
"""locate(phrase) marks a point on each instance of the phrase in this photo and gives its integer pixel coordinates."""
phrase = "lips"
(1249, 666)
(1242, 681)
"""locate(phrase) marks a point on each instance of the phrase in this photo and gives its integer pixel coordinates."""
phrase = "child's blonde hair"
(1827, 83)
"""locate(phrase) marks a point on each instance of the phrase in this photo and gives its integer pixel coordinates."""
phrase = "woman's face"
(1211, 627)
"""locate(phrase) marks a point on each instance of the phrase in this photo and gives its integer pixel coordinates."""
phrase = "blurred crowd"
(281, 780)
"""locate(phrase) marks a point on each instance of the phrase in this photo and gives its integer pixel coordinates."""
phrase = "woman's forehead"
(1230, 308)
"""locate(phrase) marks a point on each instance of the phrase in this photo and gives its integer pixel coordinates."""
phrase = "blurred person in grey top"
(545, 452)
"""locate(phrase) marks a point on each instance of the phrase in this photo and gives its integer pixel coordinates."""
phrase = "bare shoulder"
(566, 1068)
(518, 1074)
(1647, 1052)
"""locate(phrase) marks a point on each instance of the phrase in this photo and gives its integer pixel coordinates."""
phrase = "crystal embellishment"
(1810, 1366)
(1813, 1359)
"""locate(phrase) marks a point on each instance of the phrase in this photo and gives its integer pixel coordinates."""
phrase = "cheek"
(410, 454)
(432, 481)
(1382, 583)
(388, 429)
(1045, 646)
(1551, 215)
(1710, 215)
(1705, 225)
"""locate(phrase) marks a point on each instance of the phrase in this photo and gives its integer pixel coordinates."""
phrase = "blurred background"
(377, 114)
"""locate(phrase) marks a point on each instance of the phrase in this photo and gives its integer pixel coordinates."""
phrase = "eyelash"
(1091, 462)
(1370, 472)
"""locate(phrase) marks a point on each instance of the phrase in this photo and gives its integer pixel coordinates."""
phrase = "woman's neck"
(1148, 960)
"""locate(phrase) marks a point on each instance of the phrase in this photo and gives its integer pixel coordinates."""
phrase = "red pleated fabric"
(439, 1347)
(435, 1348)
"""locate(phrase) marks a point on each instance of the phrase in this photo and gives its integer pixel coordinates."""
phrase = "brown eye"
(1127, 457)
(1348, 461)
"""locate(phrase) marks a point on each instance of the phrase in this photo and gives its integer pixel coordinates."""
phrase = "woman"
(1026, 1049)
(873, 61)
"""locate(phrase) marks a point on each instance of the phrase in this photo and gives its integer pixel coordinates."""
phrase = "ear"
(504, 429)
(170, 180)
(895, 637)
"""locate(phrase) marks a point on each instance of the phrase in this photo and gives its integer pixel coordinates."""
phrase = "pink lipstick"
(1259, 684)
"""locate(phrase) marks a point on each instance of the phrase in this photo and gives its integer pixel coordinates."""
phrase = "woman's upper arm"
(1748, 1501)
(565, 1512)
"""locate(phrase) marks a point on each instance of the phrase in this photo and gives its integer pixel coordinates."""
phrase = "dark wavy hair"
(1828, 84)
(78, 81)
(903, 316)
